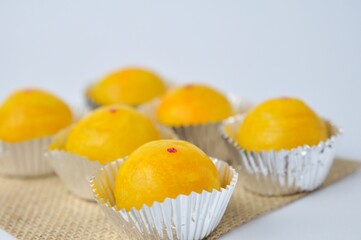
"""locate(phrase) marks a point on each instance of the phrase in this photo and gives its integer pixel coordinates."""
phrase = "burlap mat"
(43, 209)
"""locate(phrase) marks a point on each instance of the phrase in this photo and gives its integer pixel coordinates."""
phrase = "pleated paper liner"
(24, 159)
(42, 208)
(192, 216)
(285, 171)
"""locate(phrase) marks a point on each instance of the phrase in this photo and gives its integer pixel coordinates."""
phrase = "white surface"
(257, 49)
(5, 236)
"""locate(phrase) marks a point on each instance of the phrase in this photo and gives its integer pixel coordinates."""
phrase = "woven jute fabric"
(42, 208)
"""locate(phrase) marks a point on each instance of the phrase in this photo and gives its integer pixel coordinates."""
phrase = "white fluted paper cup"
(205, 136)
(282, 172)
(25, 158)
(193, 216)
(75, 170)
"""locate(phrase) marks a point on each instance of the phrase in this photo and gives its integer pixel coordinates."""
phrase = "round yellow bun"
(163, 169)
(193, 104)
(110, 132)
(281, 123)
(130, 86)
(32, 113)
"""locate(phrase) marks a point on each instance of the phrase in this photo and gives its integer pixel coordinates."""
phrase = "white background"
(255, 49)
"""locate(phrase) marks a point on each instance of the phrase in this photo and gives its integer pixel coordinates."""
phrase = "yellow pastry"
(109, 133)
(132, 86)
(164, 169)
(32, 113)
(281, 123)
(193, 104)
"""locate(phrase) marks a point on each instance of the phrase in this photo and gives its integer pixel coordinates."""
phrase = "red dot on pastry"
(285, 98)
(188, 86)
(28, 90)
(112, 110)
(172, 150)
